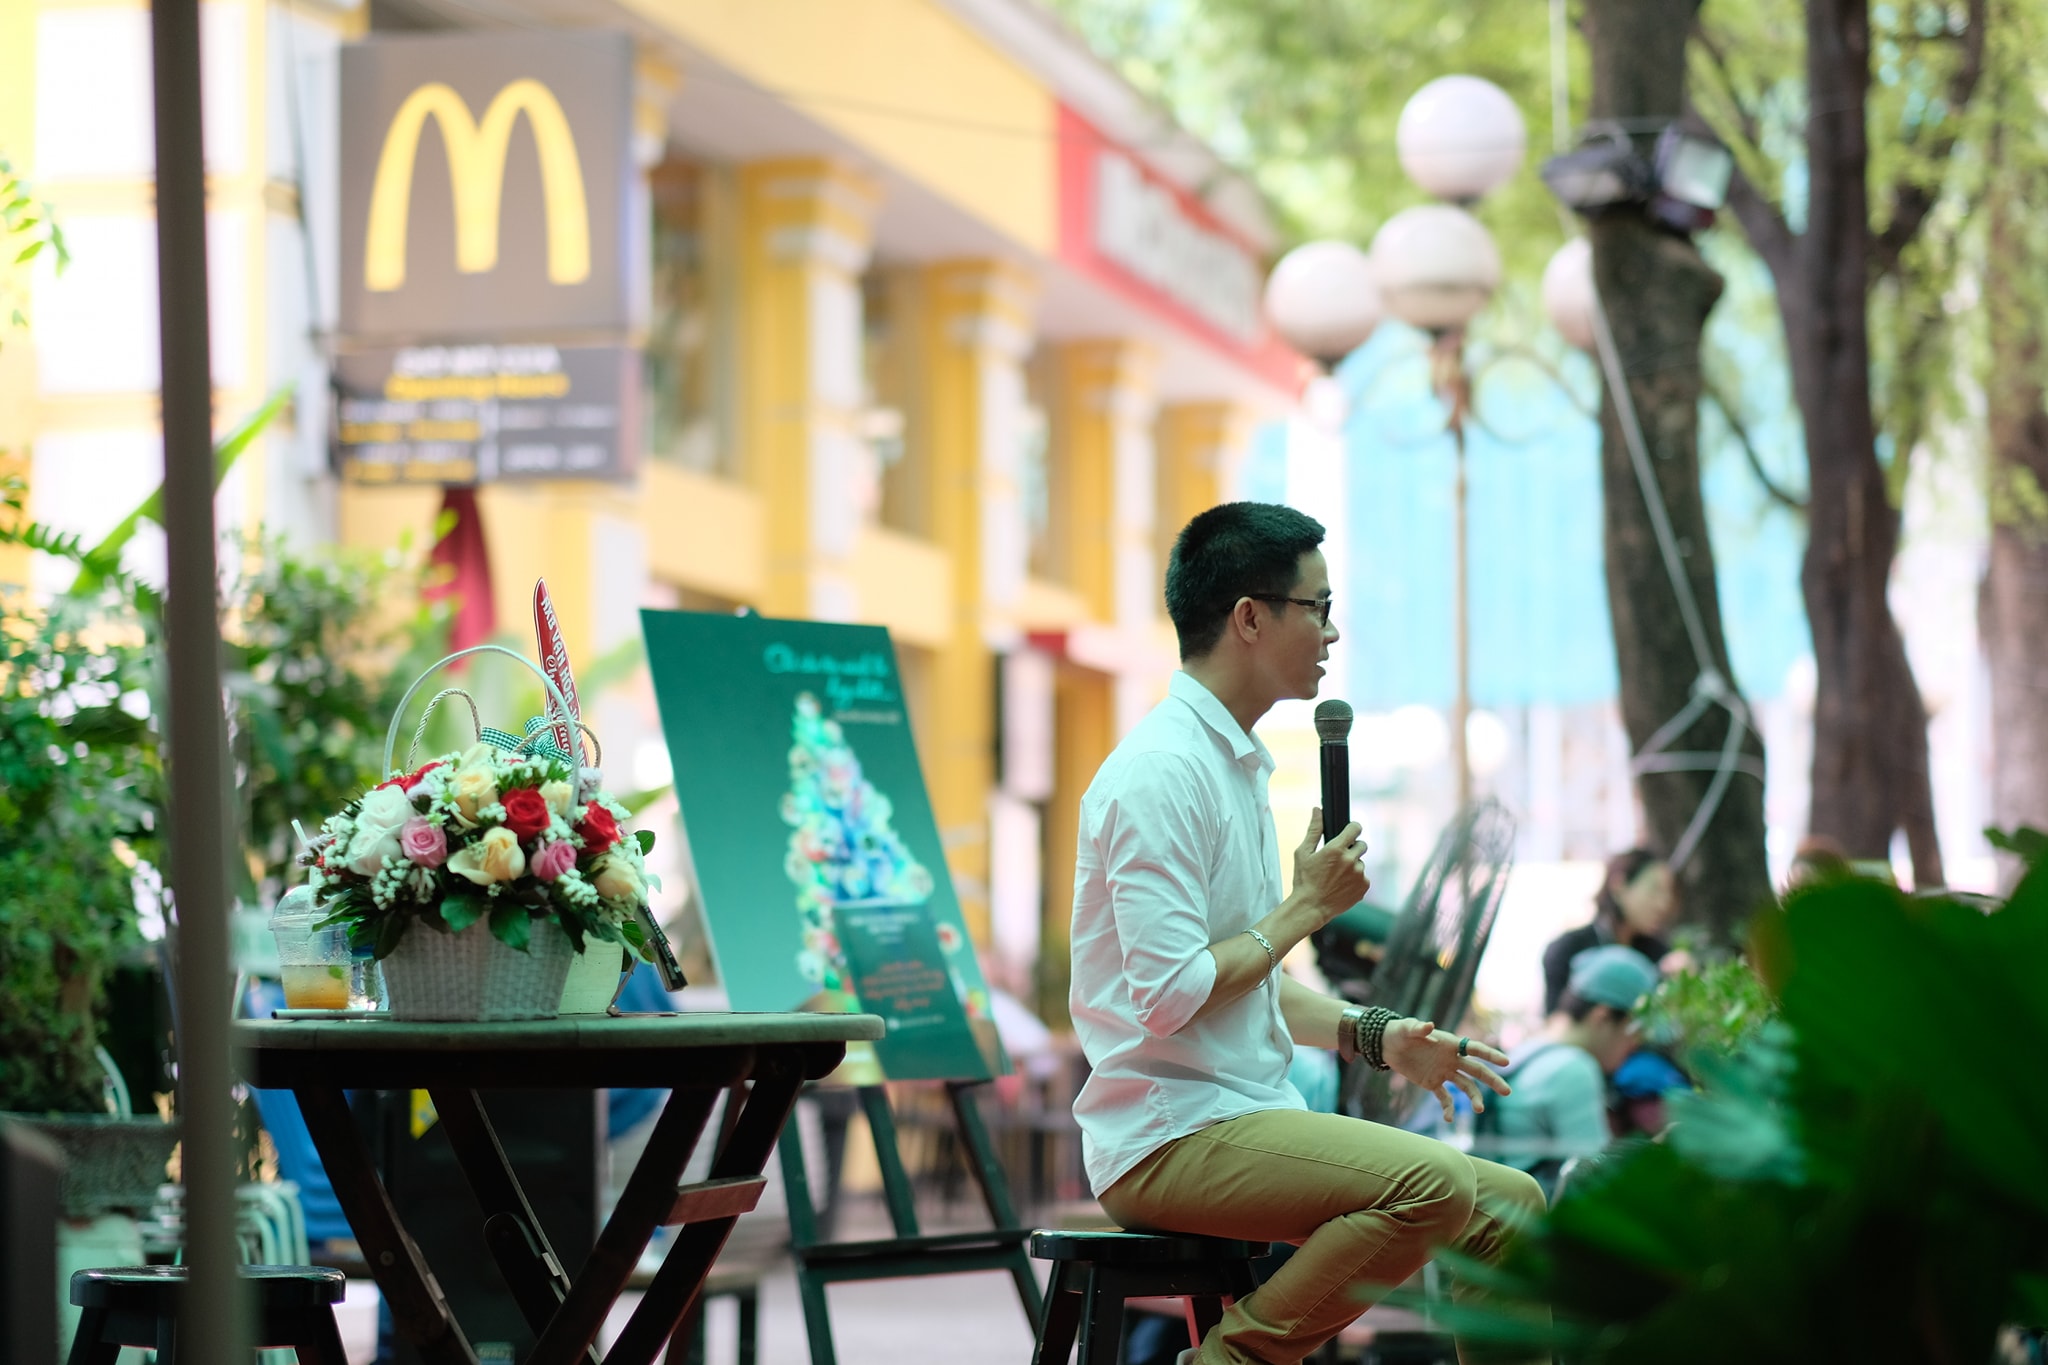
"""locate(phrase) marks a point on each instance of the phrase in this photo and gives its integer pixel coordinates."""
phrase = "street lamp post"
(1433, 267)
(1436, 267)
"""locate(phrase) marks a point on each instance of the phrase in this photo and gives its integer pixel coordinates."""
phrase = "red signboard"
(1142, 237)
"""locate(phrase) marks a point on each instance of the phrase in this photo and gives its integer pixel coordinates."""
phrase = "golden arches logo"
(476, 166)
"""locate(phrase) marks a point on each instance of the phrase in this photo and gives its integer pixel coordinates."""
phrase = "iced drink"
(316, 986)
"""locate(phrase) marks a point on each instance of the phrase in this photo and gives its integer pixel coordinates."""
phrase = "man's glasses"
(1321, 604)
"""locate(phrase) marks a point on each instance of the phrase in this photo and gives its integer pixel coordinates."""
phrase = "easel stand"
(910, 1252)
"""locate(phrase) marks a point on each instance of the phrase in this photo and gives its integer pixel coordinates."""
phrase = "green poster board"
(824, 881)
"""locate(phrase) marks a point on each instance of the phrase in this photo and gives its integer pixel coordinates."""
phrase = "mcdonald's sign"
(484, 186)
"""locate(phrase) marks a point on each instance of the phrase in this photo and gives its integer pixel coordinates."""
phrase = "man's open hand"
(1427, 1056)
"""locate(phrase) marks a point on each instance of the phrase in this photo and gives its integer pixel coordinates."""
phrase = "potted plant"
(476, 877)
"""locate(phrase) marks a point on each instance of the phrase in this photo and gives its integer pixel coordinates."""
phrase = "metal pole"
(1454, 387)
(214, 1325)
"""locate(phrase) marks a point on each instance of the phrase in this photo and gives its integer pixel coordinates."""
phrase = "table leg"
(649, 1195)
(679, 1283)
(512, 1230)
(418, 1309)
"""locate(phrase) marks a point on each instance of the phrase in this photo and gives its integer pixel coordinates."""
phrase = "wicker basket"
(471, 976)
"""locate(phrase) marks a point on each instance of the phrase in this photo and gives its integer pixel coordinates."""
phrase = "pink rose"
(423, 842)
(552, 860)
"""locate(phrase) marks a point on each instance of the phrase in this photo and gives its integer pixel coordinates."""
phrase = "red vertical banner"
(554, 661)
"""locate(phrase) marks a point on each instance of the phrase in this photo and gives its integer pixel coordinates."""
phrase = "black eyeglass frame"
(1322, 604)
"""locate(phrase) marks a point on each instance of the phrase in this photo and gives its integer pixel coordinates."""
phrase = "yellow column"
(1084, 731)
(1197, 442)
(1102, 475)
(804, 236)
(973, 332)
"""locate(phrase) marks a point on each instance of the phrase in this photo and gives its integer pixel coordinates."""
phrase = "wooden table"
(695, 1056)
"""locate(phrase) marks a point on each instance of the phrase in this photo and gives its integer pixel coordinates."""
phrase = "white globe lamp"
(1436, 266)
(1323, 301)
(1461, 137)
(1568, 296)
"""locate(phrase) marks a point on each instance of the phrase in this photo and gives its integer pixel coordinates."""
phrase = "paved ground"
(965, 1318)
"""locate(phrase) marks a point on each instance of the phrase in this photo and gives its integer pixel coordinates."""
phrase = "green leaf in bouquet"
(646, 838)
(390, 930)
(511, 925)
(574, 925)
(459, 912)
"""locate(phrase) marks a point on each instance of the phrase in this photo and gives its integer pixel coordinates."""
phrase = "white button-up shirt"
(1177, 851)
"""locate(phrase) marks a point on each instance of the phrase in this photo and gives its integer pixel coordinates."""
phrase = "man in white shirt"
(1188, 1121)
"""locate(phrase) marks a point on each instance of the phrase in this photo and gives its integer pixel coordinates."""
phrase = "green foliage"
(318, 652)
(1715, 1009)
(81, 787)
(1867, 1180)
(28, 228)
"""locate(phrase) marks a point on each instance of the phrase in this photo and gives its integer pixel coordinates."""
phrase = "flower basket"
(479, 877)
(472, 976)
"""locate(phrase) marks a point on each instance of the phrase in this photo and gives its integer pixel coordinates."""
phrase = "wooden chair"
(139, 1306)
(1093, 1274)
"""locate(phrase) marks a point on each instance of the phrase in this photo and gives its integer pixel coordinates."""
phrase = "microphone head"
(1333, 721)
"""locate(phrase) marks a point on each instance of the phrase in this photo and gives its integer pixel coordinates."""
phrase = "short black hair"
(1233, 550)
(1578, 1008)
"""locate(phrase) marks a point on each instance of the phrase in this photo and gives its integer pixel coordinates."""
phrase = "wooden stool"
(1094, 1272)
(139, 1305)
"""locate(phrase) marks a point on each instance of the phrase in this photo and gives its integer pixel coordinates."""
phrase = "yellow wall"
(909, 84)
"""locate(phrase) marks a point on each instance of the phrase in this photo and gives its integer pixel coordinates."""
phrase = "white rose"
(370, 847)
(383, 809)
(557, 795)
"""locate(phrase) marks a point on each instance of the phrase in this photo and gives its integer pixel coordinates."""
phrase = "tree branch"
(1752, 126)
(1777, 492)
(1768, 234)
(1911, 199)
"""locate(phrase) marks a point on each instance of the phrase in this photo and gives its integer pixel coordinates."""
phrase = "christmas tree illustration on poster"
(812, 835)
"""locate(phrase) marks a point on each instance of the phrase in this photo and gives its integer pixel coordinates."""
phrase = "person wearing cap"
(1557, 1108)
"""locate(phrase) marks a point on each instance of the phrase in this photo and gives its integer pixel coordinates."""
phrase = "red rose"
(526, 811)
(598, 829)
(413, 779)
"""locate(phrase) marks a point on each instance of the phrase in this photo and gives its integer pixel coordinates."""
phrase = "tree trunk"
(2012, 604)
(1870, 773)
(1658, 293)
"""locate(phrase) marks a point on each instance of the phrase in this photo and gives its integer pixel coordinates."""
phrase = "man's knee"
(1441, 1192)
(1519, 1196)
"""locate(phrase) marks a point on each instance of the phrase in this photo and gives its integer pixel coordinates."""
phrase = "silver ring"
(1463, 1043)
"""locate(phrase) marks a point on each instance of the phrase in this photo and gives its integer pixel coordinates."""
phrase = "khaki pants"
(1367, 1205)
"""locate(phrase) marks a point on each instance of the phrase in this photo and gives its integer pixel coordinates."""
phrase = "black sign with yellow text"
(477, 413)
(484, 185)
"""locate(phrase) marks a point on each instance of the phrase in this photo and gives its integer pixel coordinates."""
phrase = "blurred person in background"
(1636, 908)
(1558, 1107)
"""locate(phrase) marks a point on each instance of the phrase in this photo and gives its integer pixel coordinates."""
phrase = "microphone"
(1333, 725)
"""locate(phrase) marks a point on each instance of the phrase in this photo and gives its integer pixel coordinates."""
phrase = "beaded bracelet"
(1372, 1034)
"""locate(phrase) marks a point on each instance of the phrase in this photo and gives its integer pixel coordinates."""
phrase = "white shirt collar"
(1213, 713)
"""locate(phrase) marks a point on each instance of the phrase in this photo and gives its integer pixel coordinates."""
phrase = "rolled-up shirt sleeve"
(1152, 845)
